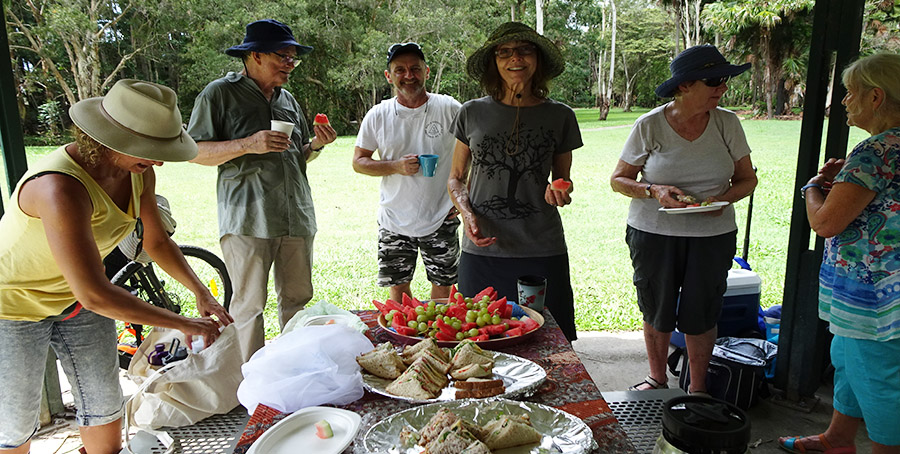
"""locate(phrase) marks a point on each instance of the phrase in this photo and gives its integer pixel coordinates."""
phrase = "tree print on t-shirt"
(507, 164)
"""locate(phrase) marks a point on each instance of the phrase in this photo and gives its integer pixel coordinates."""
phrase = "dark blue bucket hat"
(696, 63)
(267, 35)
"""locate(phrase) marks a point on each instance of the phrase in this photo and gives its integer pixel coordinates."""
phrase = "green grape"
(389, 316)
(485, 299)
(460, 336)
(495, 320)
(481, 322)
(473, 332)
(422, 327)
(430, 312)
(412, 324)
(420, 310)
(456, 325)
(443, 308)
(457, 296)
(422, 318)
(431, 304)
(468, 300)
(471, 316)
(469, 305)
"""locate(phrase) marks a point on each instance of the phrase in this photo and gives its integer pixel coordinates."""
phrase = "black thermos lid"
(702, 425)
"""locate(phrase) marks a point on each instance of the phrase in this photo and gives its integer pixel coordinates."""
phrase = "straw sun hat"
(136, 118)
(552, 58)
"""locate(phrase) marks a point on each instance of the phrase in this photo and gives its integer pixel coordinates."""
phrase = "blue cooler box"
(740, 310)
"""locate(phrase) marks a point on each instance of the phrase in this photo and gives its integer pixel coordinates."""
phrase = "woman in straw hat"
(855, 205)
(67, 213)
(688, 151)
(508, 144)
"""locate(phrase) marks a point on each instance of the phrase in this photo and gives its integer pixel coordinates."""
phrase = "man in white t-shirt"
(415, 211)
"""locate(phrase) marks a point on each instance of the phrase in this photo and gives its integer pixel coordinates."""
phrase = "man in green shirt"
(266, 215)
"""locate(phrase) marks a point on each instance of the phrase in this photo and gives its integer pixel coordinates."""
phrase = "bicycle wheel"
(150, 283)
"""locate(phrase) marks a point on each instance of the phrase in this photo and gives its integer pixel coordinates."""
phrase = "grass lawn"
(346, 202)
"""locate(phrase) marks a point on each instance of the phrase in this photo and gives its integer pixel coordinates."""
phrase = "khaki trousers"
(249, 260)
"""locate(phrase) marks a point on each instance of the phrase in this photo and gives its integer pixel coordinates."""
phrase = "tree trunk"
(539, 16)
(768, 81)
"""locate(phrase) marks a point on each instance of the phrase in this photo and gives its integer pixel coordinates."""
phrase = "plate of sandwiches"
(480, 427)
(424, 372)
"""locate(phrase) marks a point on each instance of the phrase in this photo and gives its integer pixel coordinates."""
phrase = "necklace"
(515, 130)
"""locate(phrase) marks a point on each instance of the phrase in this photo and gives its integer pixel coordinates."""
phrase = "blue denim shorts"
(86, 347)
(867, 384)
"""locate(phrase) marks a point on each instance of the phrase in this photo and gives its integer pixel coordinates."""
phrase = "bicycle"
(147, 281)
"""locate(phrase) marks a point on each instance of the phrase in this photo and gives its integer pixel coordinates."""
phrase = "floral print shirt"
(859, 282)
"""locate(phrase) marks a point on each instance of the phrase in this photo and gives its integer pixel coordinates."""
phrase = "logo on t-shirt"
(434, 129)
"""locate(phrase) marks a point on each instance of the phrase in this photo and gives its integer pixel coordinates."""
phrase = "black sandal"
(648, 380)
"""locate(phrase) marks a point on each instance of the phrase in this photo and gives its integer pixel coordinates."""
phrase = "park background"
(617, 52)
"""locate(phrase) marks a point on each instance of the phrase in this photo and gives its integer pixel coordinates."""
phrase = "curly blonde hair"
(89, 149)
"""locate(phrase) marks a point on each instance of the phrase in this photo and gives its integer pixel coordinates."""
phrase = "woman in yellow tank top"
(65, 215)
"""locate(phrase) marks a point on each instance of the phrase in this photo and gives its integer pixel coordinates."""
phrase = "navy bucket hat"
(696, 63)
(267, 35)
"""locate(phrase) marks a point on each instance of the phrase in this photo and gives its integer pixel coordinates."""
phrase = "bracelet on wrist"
(315, 149)
(808, 186)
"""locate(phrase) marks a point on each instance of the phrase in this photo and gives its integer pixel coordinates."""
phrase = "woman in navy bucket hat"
(687, 151)
(266, 36)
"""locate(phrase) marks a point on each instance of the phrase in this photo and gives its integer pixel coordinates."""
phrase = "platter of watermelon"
(489, 321)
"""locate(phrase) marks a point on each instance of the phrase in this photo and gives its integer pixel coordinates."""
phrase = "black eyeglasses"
(292, 60)
(523, 50)
(715, 81)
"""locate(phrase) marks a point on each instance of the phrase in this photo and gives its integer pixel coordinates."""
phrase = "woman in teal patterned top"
(859, 282)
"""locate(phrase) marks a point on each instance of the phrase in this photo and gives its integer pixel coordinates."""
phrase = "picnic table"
(568, 387)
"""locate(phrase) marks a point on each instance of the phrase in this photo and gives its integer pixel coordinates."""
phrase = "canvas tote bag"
(194, 388)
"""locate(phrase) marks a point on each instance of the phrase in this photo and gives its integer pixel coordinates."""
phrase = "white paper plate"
(701, 209)
(519, 375)
(297, 433)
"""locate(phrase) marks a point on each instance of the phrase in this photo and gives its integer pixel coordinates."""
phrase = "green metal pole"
(11, 138)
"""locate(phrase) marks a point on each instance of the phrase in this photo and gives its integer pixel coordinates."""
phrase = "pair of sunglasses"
(715, 81)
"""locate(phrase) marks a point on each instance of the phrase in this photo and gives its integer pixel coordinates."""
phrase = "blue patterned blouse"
(859, 282)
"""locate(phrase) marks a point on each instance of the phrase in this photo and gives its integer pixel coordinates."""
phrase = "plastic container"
(740, 310)
(693, 424)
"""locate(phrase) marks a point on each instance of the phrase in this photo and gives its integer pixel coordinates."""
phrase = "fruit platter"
(489, 321)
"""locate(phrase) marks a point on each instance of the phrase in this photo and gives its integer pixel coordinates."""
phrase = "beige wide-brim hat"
(136, 118)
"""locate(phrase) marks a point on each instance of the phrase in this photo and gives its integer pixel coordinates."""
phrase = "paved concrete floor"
(615, 362)
(618, 360)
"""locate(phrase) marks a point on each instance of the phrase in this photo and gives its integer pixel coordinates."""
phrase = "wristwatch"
(647, 190)
(804, 188)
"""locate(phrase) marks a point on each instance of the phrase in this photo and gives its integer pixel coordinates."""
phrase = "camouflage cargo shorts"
(440, 255)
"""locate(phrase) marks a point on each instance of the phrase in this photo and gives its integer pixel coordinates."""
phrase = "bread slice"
(451, 440)
(480, 393)
(436, 361)
(441, 420)
(473, 370)
(478, 383)
(382, 361)
(421, 380)
(509, 431)
(412, 352)
(477, 447)
(467, 352)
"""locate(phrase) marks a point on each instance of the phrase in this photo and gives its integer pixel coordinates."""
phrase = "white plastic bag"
(322, 308)
(202, 385)
(309, 366)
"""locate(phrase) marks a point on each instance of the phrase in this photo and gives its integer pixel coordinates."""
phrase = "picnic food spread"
(421, 370)
(478, 318)
(447, 433)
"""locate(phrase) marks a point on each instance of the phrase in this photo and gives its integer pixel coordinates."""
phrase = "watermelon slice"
(321, 119)
(560, 185)
(323, 429)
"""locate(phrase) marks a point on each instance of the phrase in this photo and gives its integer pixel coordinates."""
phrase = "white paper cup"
(283, 126)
